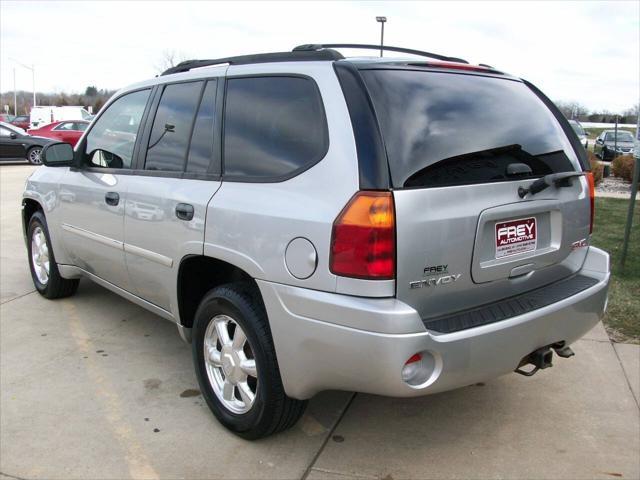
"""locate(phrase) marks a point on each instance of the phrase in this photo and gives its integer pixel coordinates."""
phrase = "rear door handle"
(112, 198)
(184, 211)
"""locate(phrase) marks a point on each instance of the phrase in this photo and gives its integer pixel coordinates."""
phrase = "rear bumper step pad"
(510, 307)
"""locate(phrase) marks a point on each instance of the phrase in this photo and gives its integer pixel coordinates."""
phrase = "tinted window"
(273, 126)
(111, 140)
(5, 132)
(201, 148)
(445, 129)
(171, 129)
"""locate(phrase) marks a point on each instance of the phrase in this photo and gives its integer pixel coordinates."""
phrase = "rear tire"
(33, 155)
(228, 312)
(42, 263)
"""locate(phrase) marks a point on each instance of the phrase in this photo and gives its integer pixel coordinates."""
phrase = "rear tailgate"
(465, 238)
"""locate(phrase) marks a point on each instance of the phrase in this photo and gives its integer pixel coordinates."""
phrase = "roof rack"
(319, 47)
(294, 56)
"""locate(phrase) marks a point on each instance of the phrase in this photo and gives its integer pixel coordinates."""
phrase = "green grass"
(623, 313)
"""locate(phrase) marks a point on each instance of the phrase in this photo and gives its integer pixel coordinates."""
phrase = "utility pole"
(381, 21)
(15, 94)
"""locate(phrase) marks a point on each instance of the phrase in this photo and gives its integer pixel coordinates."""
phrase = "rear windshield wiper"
(562, 179)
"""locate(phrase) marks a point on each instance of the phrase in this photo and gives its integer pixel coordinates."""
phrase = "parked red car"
(68, 131)
(21, 121)
(6, 118)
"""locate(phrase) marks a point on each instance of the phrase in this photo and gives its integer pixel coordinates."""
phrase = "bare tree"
(168, 59)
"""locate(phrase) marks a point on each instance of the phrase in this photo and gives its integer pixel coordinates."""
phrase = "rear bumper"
(326, 341)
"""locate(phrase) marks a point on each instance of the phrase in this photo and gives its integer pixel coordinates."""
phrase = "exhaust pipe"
(542, 358)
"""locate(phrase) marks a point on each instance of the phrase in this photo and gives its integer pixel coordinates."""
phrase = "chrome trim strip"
(149, 255)
(109, 242)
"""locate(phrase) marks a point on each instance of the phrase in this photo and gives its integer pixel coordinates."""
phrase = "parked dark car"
(21, 121)
(607, 143)
(15, 144)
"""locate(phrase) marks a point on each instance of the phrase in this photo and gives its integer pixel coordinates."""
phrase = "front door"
(10, 147)
(93, 197)
(178, 174)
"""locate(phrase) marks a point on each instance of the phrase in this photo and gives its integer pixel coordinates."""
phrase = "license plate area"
(496, 253)
(515, 237)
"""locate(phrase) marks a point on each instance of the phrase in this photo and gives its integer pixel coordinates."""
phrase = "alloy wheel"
(230, 364)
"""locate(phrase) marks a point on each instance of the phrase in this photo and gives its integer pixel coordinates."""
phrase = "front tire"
(34, 155)
(236, 364)
(42, 263)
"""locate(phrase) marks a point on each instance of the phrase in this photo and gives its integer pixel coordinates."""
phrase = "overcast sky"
(574, 51)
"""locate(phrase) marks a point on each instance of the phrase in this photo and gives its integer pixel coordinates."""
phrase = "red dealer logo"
(515, 237)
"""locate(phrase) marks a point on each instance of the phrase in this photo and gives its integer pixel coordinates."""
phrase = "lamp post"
(33, 77)
(381, 21)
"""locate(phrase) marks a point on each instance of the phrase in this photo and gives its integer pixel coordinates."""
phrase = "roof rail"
(295, 56)
(318, 47)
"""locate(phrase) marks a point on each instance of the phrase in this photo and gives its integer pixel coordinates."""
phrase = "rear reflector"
(363, 243)
(592, 197)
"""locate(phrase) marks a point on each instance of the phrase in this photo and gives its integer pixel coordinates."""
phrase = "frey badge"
(516, 236)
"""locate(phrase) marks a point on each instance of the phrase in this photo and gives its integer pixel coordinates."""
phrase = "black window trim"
(296, 172)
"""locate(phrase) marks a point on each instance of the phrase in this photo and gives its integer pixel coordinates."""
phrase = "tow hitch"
(542, 358)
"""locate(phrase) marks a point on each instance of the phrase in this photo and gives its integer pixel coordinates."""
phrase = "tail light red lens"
(592, 197)
(363, 243)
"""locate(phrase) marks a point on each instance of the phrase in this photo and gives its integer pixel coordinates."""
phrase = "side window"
(171, 129)
(201, 148)
(273, 126)
(111, 140)
(64, 126)
(4, 132)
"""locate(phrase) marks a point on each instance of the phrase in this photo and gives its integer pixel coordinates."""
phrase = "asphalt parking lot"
(96, 387)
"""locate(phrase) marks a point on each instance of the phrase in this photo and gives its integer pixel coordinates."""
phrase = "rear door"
(178, 173)
(459, 146)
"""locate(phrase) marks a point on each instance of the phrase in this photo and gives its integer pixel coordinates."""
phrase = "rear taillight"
(363, 243)
(592, 197)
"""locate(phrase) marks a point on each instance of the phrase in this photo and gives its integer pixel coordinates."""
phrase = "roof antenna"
(381, 21)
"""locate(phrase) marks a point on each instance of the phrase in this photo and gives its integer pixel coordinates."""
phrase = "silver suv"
(396, 226)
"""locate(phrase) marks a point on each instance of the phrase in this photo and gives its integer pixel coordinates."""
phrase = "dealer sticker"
(516, 236)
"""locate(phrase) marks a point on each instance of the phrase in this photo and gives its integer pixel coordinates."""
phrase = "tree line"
(577, 111)
(92, 97)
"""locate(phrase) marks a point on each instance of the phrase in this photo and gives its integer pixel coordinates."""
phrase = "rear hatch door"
(459, 147)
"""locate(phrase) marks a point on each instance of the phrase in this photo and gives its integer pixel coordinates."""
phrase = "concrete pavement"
(95, 387)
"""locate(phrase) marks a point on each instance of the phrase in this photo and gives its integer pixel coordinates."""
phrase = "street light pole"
(381, 21)
(15, 94)
(33, 76)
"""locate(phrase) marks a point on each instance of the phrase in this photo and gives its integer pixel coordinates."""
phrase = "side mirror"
(13, 135)
(599, 140)
(58, 154)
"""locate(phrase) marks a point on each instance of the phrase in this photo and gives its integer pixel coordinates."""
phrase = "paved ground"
(95, 387)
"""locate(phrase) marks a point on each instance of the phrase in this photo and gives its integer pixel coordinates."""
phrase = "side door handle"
(184, 211)
(112, 198)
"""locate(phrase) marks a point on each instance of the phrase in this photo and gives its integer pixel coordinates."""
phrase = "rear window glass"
(444, 129)
(274, 127)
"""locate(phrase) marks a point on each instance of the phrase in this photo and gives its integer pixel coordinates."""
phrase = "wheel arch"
(197, 275)
(29, 207)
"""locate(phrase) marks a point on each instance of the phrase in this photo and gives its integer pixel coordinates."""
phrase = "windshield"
(577, 128)
(443, 129)
(622, 137)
